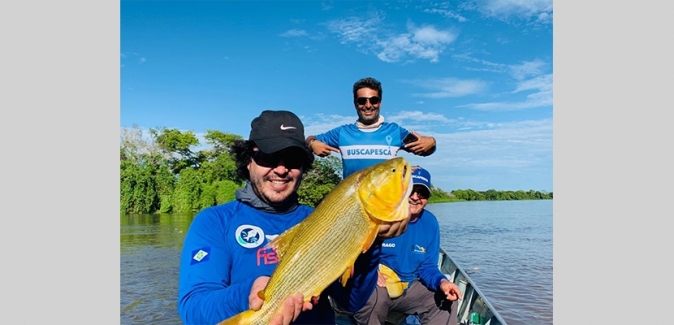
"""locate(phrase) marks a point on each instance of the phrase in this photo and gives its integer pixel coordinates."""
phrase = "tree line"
(161, 172)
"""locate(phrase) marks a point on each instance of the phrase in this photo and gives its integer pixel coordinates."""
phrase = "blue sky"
(476, 75)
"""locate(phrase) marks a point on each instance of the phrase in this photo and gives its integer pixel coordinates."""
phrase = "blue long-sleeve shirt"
(224, 253)
(415, 253)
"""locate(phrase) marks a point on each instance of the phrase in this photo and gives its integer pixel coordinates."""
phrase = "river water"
(505, 246)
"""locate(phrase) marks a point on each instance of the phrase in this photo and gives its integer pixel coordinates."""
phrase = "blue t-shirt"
(224, 253)
(415, 253)
(362, 148)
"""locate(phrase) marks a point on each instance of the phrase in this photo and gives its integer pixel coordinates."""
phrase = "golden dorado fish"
(324, 246)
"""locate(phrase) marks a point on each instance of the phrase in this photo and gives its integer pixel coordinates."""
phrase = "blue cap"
(421, 176)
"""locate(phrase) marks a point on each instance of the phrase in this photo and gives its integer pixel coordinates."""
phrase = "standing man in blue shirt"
(409, 278)
(370, 140)
(224, 263)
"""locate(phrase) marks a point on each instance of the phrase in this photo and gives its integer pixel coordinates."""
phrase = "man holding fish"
(230, 250)
(410, 281)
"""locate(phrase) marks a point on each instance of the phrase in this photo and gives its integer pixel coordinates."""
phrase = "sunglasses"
(374, 100)
(290, 161)
(422, 192)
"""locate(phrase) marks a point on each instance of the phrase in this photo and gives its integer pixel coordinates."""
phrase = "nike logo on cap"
(287, 127)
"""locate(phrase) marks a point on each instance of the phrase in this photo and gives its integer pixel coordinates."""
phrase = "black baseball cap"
(276, 130)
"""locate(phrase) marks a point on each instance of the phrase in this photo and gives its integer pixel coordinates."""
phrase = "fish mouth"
(385, 191)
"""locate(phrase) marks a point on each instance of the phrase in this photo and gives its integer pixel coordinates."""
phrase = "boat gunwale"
(441, 261)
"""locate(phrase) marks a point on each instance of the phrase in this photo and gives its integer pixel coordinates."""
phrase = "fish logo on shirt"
(249, 236)
(419, 249)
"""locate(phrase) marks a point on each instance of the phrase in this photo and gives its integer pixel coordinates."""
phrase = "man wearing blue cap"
(409, 279)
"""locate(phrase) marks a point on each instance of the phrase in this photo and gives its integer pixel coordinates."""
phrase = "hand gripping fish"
(324, 246)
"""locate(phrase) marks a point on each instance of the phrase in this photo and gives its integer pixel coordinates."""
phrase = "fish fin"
(371, 236)
(260, 294)
(283, 240)
(239, 318)
(348, 272)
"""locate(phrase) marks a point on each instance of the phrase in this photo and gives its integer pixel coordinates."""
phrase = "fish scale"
(318, 250)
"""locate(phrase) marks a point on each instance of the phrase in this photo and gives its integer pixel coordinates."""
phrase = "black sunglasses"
(290, 160)
(421, 191)
(374, 100)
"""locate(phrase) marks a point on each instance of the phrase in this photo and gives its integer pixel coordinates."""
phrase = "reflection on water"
(150, 255)
(505, 245)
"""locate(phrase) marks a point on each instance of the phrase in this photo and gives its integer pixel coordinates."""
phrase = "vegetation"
(161, 173)
(494, 195)
(440, 196)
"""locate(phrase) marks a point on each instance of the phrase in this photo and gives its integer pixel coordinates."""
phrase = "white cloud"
(545, 18)
(325, 6)
(539, 83)
(491, 66)
(541, 10)
(142, 60)
(418, 116)
(320, 123)
(542, 83)
(519, 71)
(527, 68)
(512, 145)
(425, 42)
(499, 156)
(428, 35)
(449, 87)
(542, 96)
(355, 29)
(446, 13)
(294, 33)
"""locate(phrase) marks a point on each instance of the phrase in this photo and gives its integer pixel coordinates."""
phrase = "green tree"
(188, 190)
(175, 145)
(144, 175)
(320, 180)
(225, 191)
(440, 196)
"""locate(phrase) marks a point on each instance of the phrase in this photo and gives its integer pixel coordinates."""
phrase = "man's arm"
(423, 146)
(428, 271)
(325, 143)
(203, 297)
